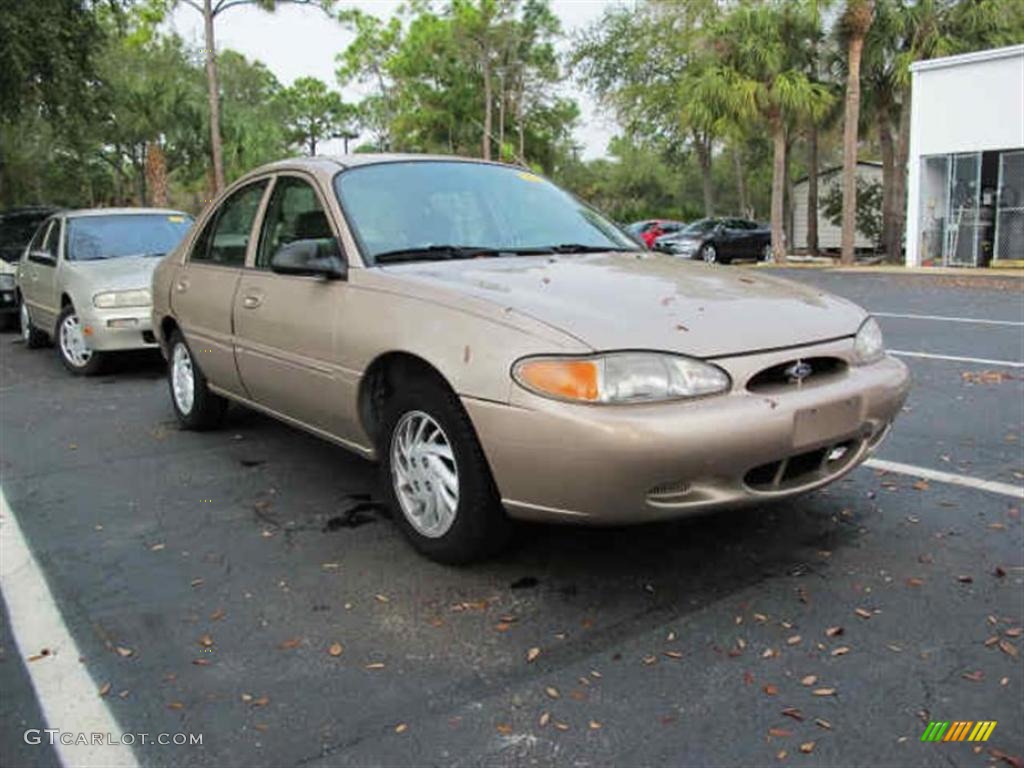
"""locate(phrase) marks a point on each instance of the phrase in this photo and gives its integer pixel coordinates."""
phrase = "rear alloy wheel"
(766, 253)
(709, 253)
(33, 337)
(437, 477)
(196, 407)
(72, 348)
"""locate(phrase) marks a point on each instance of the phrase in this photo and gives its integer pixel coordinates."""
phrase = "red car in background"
(650, 230)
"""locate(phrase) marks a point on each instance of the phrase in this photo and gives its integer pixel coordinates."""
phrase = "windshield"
(704, 225)
(91, 238)
(410, 207)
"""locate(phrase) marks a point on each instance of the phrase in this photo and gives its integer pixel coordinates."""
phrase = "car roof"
(85, 212)
(327, 166)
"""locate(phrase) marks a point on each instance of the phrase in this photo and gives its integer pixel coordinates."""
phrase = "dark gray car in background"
(719, 241)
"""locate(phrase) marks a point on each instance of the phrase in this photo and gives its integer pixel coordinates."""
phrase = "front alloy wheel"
(709, 253)
(766, 253)
(72, 347)
(425, 474)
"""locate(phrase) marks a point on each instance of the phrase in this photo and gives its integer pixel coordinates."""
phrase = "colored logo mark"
(959, 730)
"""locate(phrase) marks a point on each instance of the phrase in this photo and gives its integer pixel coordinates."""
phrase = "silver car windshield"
(438, 209)
(92, 238)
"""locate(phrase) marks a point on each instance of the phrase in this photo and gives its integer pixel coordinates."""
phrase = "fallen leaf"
(382, 598)
(834, 631)
(401, 728)
(781, 754)
(157, 547)
(914, 582)
(502, 626)
(552, 692)
(104, 689)
(196, 582)
(335, 649)
(975, 677)
(771, 690)
(863, 613)
(246, 698)
(532, 654)
(793, 712)
(780, 733)
(1008, 648)
(289, 644)
(648, 660)
(262, 701)
(921, 485)
(674, 654)
(823, 724)
(375, 665)
(545, 718)
(809, 680)
(999, 572)
(824, 691)
(769, 653)
(807, 747)
(261, 727)
(1012, 632)
(992, 641)
(562, 726)
(217, 615)
(793, 640)
(840, 651)
(965, 579)
(504, 729)
(201, 662)
(594, 725)
(206, 641)
(175, 705)
(124, 652)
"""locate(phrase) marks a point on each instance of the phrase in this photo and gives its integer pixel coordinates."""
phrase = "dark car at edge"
(719, 241)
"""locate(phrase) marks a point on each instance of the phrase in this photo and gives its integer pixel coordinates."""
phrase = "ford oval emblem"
(799, 371)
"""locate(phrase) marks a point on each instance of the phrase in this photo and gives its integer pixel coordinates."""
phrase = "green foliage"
(869, 208)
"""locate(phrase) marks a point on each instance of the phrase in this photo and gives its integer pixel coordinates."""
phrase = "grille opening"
(779, 376)
(803, 468)
(668, 493)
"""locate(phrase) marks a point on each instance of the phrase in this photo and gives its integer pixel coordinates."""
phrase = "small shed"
(829, 235)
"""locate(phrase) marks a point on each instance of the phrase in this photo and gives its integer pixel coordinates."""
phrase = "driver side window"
(293, 214)
(38, 249)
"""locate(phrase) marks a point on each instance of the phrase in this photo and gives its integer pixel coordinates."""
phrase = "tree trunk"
(703, 146)
(885, 143)
(788, 200)
(899, 182)
(778, 190)
(519, 120)
(312, 145)
(850, 149)
(741, 182)
(812, 190)
(501, 120)
(488, 102)
(156, 175)
(213, 92)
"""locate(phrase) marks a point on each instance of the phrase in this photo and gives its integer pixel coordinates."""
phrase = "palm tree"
(856, 22)
(762, 74)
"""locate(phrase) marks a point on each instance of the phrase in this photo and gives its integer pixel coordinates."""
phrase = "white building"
(965, 201)
(830, 236)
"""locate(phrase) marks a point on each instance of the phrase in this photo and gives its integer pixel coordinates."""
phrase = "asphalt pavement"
(243, 585)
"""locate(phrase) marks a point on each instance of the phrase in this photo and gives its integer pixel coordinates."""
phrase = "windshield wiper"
(434, 253)
(577, 248)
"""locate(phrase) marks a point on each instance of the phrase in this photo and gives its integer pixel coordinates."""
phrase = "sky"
(297, 41)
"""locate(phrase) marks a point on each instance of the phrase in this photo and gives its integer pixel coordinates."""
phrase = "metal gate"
(1009, 239)
(964, 227)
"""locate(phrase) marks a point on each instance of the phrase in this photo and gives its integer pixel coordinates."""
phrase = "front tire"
(436, 476)
(766, 253)
(709, 253)
(72, 348)
(195, 405)
(32, 336)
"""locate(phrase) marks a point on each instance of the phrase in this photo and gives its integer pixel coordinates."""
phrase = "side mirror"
(310, 258)
(41, 257)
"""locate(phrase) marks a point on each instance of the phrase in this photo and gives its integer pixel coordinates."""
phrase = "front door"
(39, 277)
(203, 289)
(285, 324)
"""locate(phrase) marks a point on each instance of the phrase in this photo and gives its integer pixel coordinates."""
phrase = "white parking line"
(956, 359)
(947, 319)
(992, 486)
(67, 695)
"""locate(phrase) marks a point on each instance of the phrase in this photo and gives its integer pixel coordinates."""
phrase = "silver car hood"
(118, 274)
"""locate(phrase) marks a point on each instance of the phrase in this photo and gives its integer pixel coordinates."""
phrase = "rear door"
(285, 325)
(203, 289)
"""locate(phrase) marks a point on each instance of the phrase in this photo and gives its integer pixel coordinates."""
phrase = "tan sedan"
(506, 352)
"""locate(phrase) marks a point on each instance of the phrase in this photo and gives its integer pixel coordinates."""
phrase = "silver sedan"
(84, 280)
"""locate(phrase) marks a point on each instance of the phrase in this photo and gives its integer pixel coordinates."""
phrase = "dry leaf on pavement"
(335, 649)
(809, 680)
(532, 654)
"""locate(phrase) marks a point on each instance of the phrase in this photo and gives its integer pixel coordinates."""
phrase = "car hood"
(648, 301)
(117, 274)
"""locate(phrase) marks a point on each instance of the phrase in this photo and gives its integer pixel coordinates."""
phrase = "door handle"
(251, 302)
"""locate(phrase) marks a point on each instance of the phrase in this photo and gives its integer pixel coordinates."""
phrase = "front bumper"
(623, 464)
(114, 330)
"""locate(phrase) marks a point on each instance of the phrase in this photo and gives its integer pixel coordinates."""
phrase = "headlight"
(7, 282)
(139, 297)
(620, 377)
(868, 347)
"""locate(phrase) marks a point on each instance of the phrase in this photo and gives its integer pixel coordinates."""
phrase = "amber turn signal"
(569, 379)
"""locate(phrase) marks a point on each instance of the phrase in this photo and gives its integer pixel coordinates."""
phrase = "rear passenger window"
(225, 238)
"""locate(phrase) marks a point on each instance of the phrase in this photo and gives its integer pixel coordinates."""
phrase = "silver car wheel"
(709, 254)
(183, 379)
(26, 322)
(72, 342)
(766, 254)
(424, 474)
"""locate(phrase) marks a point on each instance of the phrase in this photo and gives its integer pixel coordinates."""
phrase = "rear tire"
(32, 336)
(196, 407)
(436, 477)
(72, 348)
